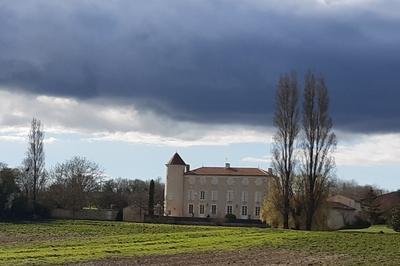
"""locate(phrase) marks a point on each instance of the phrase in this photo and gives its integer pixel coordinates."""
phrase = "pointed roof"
(176, 160)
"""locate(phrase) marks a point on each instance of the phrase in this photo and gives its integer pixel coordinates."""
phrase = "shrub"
(41, 211)
(359, 223)
(20, 208)
(395, 221)
(230, 218)
(219, 221)
(120, 215)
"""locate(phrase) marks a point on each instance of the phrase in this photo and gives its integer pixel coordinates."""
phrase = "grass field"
(373, 229)
(56, 242)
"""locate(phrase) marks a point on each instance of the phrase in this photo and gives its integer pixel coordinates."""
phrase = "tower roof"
(176, 160)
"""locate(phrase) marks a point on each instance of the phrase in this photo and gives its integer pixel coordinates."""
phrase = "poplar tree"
(35, 161)
(287, 123)
(318, 144)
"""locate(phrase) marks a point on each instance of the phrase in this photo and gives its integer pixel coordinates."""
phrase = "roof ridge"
(232, 171)
(232, 167)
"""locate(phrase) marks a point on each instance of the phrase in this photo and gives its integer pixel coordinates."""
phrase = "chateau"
(214, 191)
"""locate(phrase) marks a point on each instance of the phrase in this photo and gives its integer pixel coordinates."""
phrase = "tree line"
(32, 191)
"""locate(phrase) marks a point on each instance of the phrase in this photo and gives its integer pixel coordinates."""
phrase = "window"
(257, 212)
(229, 195)
(201, 209)
(244, 210)
(190, 208)
(202, 195)
(245, 196)
(229, 209)
(214, 209)
(257, 196)
(214, 195)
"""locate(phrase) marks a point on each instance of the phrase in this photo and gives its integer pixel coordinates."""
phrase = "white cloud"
(11, 138)
(263, 159)
(358, 150)
(50, 140)
(370, 150)
(100, 120)
(213, 137)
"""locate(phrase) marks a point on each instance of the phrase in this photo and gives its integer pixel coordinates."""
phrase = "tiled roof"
(231, 171)
(176, 160)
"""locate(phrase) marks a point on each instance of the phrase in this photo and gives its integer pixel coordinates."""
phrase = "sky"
(128, 83)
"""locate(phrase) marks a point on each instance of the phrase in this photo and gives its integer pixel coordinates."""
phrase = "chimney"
(227, 165)
(270, 170)
(187, 167)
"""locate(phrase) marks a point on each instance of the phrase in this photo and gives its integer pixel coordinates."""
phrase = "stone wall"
(133, 214)
(89, 214)
(203, 221)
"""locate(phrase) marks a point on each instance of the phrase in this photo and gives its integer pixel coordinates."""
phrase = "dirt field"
(240, 257)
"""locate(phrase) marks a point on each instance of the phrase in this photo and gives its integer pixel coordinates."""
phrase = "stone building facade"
(214, 191)
(342, 211)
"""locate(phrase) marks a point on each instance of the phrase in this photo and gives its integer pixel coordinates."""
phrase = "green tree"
(151, 198)
(8, 188)
(370, 206)
(395, 221)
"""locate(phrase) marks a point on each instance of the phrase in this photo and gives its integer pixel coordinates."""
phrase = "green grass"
(373, 229)
(74, 241)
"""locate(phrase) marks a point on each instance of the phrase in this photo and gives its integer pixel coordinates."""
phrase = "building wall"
(338, 218)
(194, 185)
(174, 190)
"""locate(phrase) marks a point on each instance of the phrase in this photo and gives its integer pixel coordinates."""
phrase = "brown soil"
(266, 256)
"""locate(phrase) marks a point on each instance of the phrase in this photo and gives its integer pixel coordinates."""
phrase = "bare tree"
(122, 192)
(287, 123)
(318, 143)
(76, 180)
(34, 175)
(353, 190)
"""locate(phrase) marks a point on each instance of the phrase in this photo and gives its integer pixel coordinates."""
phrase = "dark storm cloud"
(207, 61)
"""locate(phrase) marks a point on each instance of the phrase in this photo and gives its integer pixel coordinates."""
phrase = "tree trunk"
(309, 217)
(286, 214)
